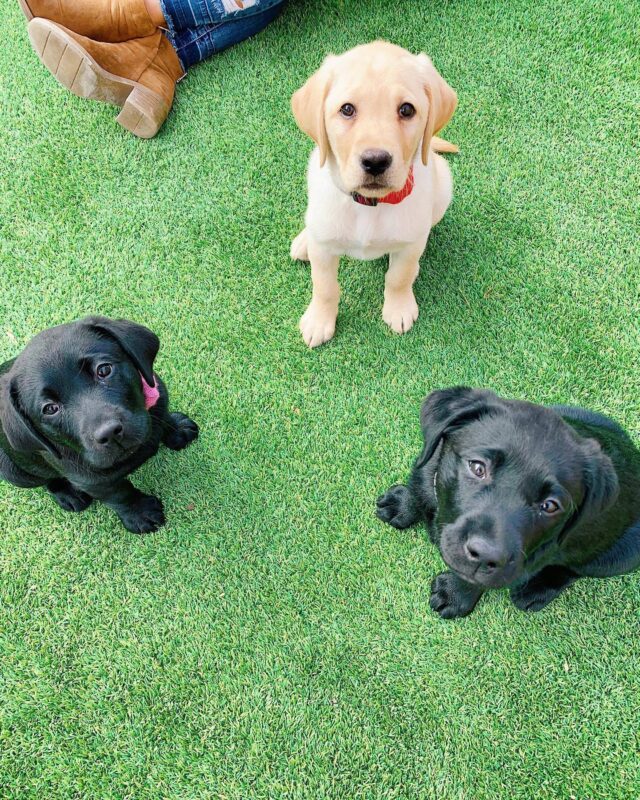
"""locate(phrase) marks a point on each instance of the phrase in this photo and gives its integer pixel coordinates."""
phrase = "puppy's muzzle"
(375, 162)
(478, 549)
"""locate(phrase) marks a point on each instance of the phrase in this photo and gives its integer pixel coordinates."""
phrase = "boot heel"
(143, 113)
(26, 10)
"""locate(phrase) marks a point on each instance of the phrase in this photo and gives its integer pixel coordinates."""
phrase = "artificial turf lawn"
(274, 640)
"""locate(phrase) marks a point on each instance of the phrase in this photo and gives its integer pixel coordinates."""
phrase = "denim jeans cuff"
(171, 30)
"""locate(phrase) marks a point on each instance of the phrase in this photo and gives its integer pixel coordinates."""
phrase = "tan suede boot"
(104, 20)
(139, 75)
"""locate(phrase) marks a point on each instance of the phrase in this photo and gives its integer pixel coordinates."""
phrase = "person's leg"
(139, 75)
(197, 44)
(121, 20)
(156, 14)
(182, 15)
(102, 20)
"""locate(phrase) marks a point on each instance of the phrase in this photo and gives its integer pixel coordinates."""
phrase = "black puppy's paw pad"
(395, 507)
(447, 600)
(181, 431)
(69, 498)
(144, 515)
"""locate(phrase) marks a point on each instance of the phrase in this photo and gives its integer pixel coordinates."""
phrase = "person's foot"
(139, 75)
(103, 20)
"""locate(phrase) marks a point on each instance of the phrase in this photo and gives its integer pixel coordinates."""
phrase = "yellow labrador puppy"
(375, 184)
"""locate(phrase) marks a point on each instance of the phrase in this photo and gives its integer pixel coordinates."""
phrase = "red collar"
(393, 198)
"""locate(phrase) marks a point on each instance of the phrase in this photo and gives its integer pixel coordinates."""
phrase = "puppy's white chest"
(345, 227)
(368, 232)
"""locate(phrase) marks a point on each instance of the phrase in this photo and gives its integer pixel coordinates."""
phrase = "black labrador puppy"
(80, 409)
(519, 495)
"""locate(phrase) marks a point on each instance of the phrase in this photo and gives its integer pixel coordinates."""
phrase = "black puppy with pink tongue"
(80, 409)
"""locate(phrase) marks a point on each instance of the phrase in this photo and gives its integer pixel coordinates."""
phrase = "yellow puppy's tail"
(443, 146)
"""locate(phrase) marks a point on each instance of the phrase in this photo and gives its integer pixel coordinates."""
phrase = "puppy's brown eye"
(104, 370)
(478, 469)
(549, 506)
(406, 111)
(50, 409)
(347, 110)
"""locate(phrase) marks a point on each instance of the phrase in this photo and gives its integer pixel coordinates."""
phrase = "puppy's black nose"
(375, 162)
(485, 554)
(108, 432)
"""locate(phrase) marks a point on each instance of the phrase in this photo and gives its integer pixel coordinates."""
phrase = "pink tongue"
(151, 394)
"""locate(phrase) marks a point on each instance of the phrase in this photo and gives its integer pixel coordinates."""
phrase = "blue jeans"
(200, 28)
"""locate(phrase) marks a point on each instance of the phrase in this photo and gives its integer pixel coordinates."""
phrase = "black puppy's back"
(590, 419)
(615, 442)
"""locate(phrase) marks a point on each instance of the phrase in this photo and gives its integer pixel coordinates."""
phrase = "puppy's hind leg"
(178, 430)
(299, 248)
(67, 496)
(542, 588)
(442, 190)
(620, 558)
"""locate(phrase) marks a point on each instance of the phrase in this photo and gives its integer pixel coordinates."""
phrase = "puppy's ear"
(442, 102)
(308, 103)
(21, 433)
(601, 486)
(138, 342)
(447, 409)
(600, 480)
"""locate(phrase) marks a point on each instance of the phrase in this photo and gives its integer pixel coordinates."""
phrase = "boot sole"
(143, 111)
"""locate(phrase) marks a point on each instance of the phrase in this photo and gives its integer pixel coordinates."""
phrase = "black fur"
(493, 523)
(101, 431)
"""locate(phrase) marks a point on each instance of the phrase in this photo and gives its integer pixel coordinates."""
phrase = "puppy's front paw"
(400, 311)
(67, 496)
(299, 251)
(144, 515)
(451, 597)
(181, 431)
(396, 507)
(317, 325)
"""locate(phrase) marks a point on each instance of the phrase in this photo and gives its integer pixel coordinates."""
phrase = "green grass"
(274, 640)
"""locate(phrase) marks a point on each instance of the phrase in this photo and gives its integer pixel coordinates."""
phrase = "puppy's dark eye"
(50, 409)
(406, 111)
(104, 370)
(347, 110)
(478, 469)
(549, 506)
